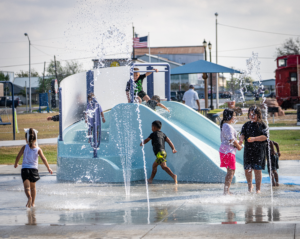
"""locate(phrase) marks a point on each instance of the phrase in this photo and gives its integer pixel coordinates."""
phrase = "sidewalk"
(23, 142)
(159, 230)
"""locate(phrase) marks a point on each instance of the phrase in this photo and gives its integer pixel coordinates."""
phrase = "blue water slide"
(196, 139)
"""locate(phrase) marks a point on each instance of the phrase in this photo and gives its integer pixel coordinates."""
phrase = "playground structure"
(196, 138)
(14, 122)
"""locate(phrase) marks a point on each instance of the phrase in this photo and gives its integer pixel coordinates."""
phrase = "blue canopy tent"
(203, 66)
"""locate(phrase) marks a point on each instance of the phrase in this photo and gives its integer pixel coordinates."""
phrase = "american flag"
(140, 42)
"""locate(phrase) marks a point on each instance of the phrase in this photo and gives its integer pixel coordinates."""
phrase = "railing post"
(150, 83)
(60, 114)
(131, 83)
(168, 83)
(89, 82)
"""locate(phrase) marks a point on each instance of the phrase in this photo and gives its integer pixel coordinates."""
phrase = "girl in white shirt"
(29, 172)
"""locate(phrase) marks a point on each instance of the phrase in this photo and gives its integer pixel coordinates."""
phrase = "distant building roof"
(172, 50)
(265, 82)
(20, 81)
(154, 58)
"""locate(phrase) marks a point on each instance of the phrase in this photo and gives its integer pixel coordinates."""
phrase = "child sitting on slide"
(29, 172)
(138, 80)
(155, 101)
(158, 142)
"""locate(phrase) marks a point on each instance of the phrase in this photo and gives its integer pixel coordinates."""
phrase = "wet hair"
(91, 96)
(156, 124)
(156, 98)
(32, 137)
(256, 111)
(227, 115)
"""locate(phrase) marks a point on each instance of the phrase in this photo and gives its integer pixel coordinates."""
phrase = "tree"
(289, 47)
(33, 72)
(4, 78)
(235, 84)
(71, 68)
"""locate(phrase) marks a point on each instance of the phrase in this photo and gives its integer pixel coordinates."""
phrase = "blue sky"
(72, 29)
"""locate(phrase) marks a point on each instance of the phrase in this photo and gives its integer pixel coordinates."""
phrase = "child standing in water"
(228, 147)
(158, 142)
(274, 161)
(29, 172)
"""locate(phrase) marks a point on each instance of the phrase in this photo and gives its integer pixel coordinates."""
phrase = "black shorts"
(142, 94)
(31, 174)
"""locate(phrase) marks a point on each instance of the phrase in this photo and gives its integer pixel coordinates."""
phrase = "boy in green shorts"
(158, 142)
(138, 80)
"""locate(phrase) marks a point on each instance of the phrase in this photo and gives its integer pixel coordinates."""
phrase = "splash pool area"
(65, 203)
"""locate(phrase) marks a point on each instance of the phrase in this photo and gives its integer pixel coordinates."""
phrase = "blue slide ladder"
(95, 129)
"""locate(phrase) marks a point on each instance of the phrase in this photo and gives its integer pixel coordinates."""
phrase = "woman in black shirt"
(254, 133)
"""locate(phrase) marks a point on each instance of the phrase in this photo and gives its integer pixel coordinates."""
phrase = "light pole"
(211, 81)
(217, 80)
(204, 76)
(30, 109)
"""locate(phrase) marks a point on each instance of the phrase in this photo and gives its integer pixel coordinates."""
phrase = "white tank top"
(30, 157)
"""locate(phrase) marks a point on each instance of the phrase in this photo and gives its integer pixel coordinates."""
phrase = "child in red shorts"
(228, 147)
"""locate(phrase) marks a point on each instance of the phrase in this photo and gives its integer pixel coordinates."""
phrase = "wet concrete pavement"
(89, 210)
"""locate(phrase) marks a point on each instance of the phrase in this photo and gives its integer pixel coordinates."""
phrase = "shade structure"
(202, 66)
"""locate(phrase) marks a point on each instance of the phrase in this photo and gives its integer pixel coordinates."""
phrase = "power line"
(41, 51)
(258, 30)
(250, 48)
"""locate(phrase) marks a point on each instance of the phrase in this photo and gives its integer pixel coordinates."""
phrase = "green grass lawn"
(288, 140)
(9, 154)
(289, 143)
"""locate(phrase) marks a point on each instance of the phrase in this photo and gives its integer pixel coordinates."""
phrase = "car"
(5, 101)
(174, 96)
(16, 98)
(180, 94)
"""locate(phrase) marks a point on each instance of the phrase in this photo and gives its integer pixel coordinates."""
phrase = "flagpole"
(149, 46)
(133, 56)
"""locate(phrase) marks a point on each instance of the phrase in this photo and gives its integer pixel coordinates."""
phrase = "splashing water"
(144, 158)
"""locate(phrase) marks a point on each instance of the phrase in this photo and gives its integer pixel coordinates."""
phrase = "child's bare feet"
(150, 180)
(175, 179)
(258, 191)
(250, 188)
(29, 202)
(277, 184)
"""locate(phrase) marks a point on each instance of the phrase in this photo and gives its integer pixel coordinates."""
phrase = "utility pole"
(55, 68)
(44, 77)
(30, 109)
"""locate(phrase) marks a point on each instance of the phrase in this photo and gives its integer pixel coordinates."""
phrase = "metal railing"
(150, 80)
